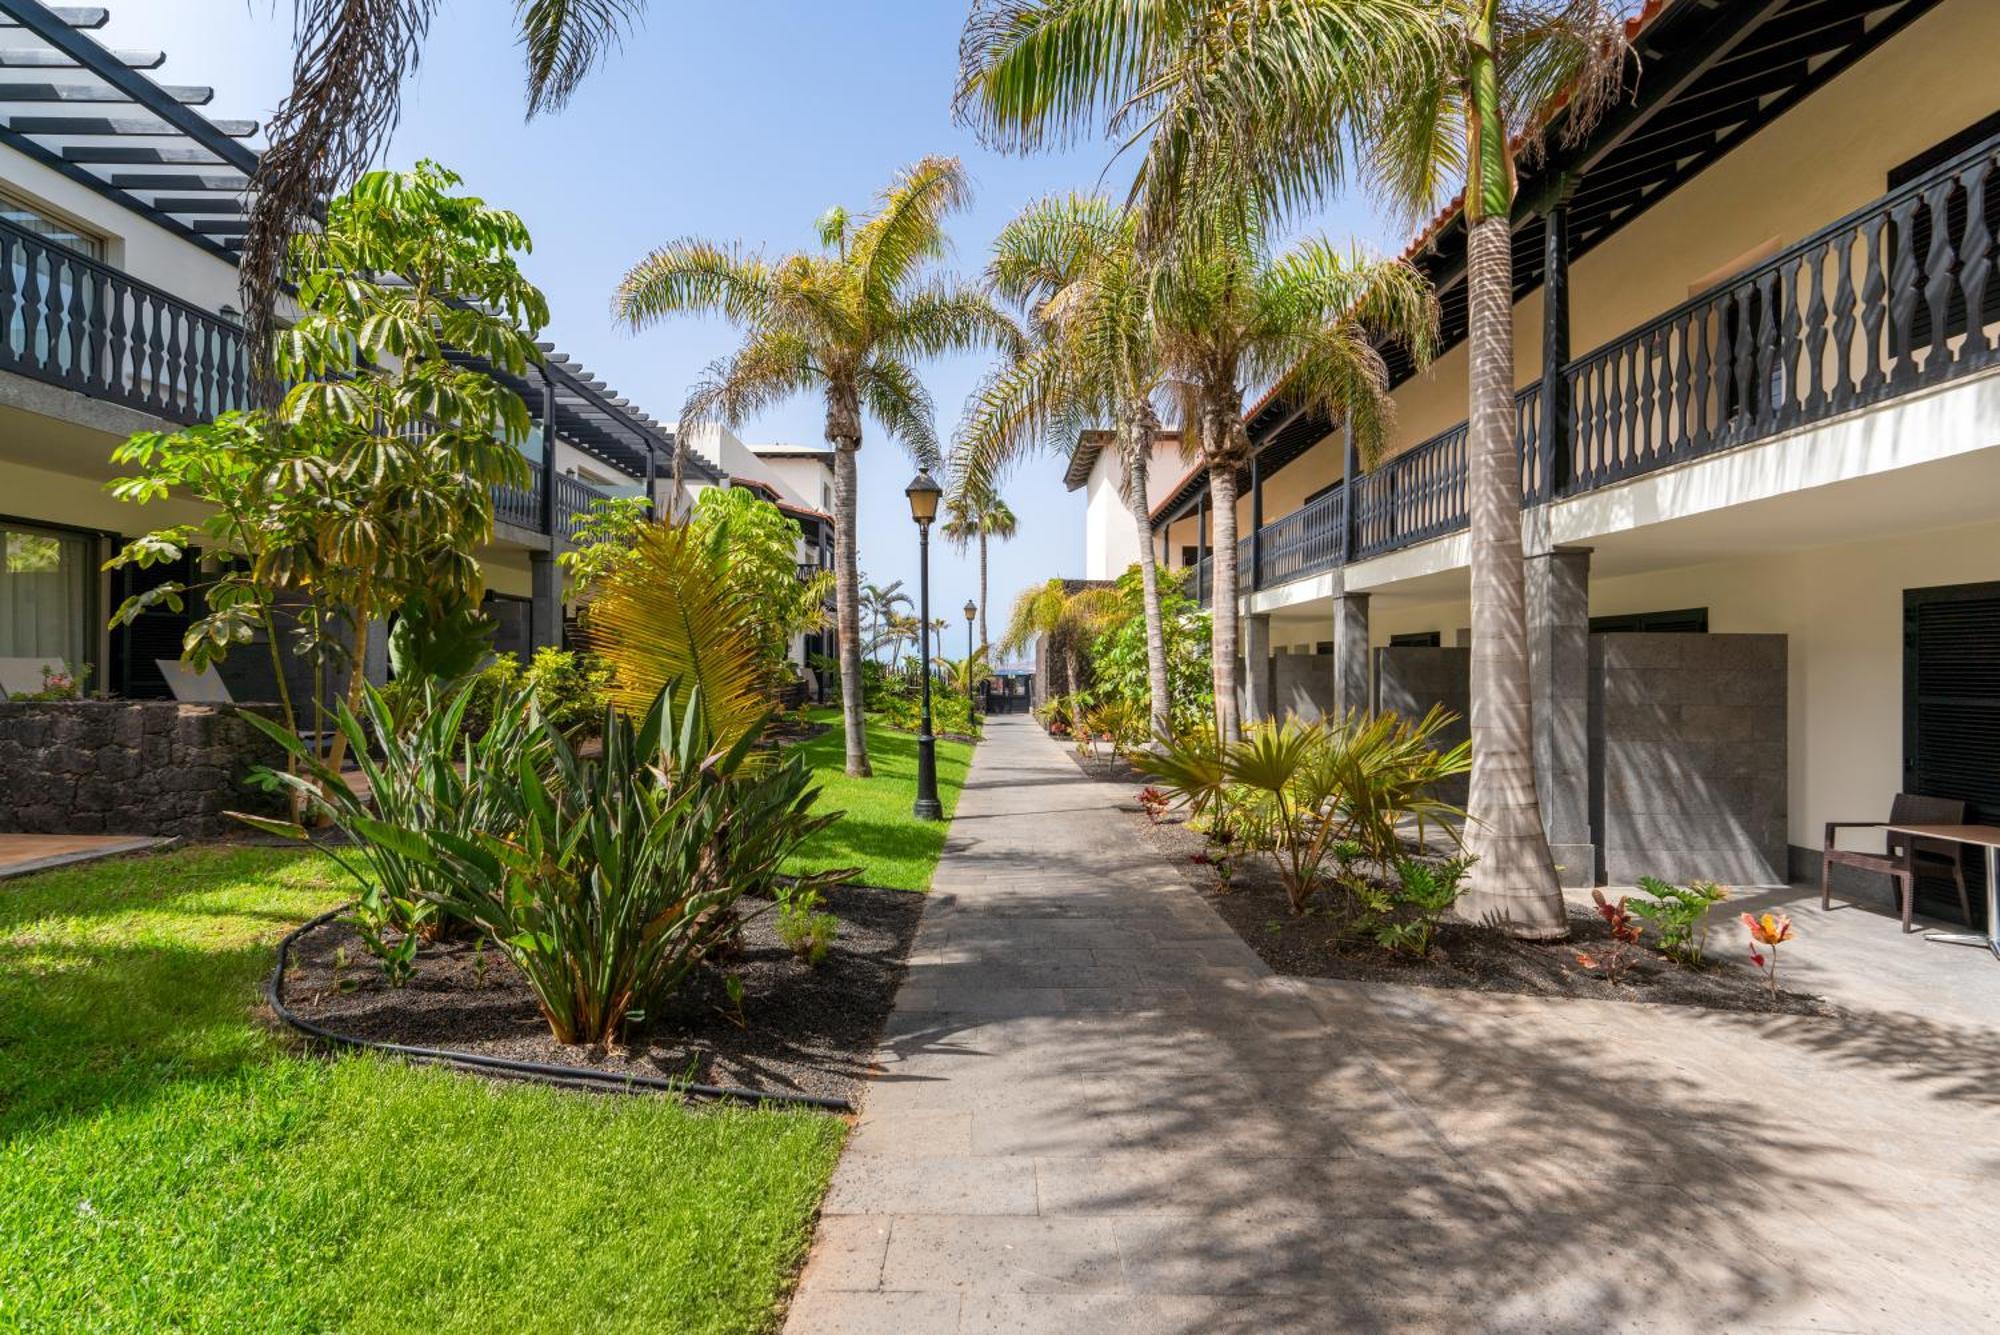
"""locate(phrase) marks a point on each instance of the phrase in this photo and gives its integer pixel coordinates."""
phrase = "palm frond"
(698, 277)
(769, 368)
(667, 614)
(564, 40)
(898, 401)
(907, 227)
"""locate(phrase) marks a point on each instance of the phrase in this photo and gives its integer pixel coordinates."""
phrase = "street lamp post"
(971, 610)
(924, 495)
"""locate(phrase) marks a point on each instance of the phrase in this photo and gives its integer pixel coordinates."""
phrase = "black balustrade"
(73, 321)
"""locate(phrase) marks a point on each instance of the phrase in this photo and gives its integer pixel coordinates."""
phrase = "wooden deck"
(24, 853)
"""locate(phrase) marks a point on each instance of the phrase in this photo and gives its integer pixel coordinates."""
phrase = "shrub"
(805, 931)
(433, 773)
(1680, 915)
(1417, 901)
(61, 682)
(627, 869)
(1616, 958)
(571, 689)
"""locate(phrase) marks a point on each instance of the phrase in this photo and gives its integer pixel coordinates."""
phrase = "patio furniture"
(1978, 836)
(1907, 855)
(205, 687)
(23, 676)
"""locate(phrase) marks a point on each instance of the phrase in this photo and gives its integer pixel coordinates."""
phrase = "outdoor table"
(1979, 836)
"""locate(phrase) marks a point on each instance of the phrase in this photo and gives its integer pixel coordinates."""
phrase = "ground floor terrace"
(1726, 654)
(1098, 1109)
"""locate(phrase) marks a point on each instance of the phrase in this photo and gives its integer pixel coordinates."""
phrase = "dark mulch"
(804, 1031)
(784, 732)
(1464, 955)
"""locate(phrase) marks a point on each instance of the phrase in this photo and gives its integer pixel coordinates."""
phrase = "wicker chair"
(1907, 857)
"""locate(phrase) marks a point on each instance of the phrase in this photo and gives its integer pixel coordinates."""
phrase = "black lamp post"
(971, 610)
(977, 704)
(924, 495)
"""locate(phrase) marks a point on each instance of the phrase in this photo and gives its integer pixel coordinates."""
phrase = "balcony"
(71, 321)
(521, 507)
(1864, 311)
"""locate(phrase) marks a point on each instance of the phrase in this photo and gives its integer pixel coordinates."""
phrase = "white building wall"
(1111, 540)
(132, 242)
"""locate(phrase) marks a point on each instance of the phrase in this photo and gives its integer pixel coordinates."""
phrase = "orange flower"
(1770, 930)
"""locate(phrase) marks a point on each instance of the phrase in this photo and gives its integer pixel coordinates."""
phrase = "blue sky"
(742, 120)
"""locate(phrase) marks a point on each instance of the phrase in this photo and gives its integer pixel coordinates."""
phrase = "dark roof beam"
(152, 157)
(162, 102)
(104, 125)
(41, 58)
(76, 16)
(234, 185)
(182, 95)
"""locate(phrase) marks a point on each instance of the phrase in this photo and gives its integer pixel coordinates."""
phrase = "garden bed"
(1464, 955)
(802, 1030)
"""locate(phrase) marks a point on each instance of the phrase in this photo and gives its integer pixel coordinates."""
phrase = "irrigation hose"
(570, 1077)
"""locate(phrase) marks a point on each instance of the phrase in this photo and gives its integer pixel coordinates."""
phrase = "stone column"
(545, 601)
(1559, 679)
(1350, 655)
(1256, 668)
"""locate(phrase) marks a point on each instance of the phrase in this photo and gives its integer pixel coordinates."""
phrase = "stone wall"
(1687, 757)
(149, 767)
(1411, 679)
(1302, 685)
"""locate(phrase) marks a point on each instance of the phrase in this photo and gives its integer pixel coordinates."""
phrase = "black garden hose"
(570, 1077)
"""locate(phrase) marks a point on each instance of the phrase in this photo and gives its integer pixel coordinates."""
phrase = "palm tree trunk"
(983, 641)
(1514, 881)
(1222, 637)
(847, 603)
(1138, 458)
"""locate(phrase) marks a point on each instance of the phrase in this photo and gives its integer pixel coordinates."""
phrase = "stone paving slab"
(1097, 1111)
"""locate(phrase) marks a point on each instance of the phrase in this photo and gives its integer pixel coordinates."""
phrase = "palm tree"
(883, 603)
(1064, 620)
(347, 81)
(976, 514)
(844, 321)
(1432, 95)
(1073, 263)
(1231, 316)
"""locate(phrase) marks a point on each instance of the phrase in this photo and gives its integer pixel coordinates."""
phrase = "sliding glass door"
(46, 577)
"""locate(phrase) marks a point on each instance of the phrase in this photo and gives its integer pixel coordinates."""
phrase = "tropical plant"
(59, 682)
(669, 612)
(1615, 960)
(755, 544)
(1414, 904)
(1072, 262)
(626, 870)
(964, 675)
(1191, 767)
(880, 605)
(406, 443)
(806, 931)
(1680, 914)
(1432, 94)
(845, 322)
(434, 774)
(348, 70)
(975, 515)
(1065, 620)
(1770, 931)
(604, 535)
(1121, 653)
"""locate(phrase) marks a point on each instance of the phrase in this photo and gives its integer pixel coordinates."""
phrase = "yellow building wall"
(1820, 161)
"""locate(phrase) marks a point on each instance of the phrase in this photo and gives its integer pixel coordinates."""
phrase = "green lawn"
(167, 1163)
(878, 834)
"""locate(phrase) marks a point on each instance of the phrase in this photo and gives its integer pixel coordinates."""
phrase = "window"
(1417, 639)
(1685, 621)
(45, 595)
(33, 219)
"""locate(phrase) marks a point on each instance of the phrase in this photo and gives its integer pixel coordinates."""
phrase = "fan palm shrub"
(845, 322)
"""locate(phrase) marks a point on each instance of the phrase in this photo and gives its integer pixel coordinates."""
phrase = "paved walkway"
(1098, 1112)
(21, 854)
